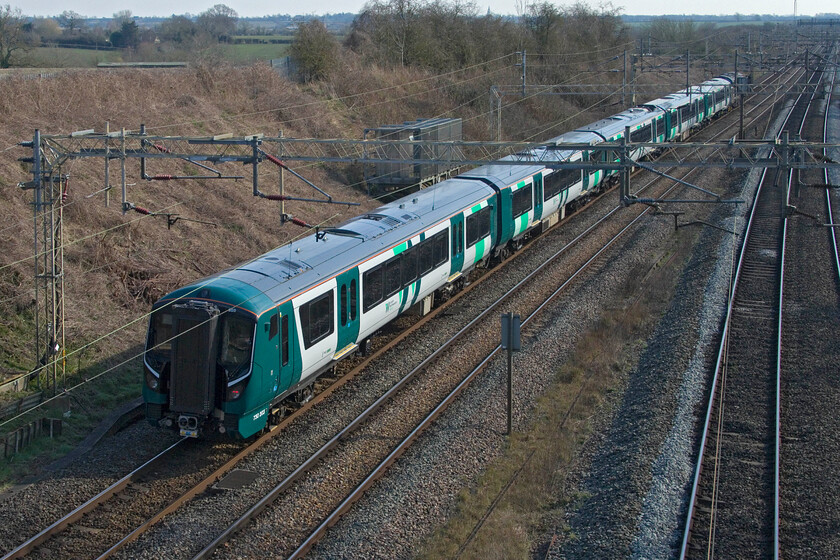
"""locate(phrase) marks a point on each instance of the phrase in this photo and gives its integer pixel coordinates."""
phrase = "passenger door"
(288, 349)
(348, 309)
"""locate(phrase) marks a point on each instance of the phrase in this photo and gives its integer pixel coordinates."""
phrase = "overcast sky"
(251, 8)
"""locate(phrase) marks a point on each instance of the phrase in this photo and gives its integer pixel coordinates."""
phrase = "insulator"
(275, 197)
(161, 148)
(161, 177)
(141, 210)
(274, 160)
(300, 222)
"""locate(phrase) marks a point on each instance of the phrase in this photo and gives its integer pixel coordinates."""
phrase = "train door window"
(409, 266)
(343, 305)
(372, 287)
(441, 253)
(457, 238)
(316, 319)
(273, 327)
(353, 300)
(522, 202)
(284, 340)
(393, 278)
(427, 256)
(660, 126)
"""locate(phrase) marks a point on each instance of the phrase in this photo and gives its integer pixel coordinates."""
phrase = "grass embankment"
(525, 493)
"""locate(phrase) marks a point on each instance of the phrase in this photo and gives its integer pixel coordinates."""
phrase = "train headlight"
(152, 381)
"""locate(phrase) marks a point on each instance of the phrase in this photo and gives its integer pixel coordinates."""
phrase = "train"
(228, 353)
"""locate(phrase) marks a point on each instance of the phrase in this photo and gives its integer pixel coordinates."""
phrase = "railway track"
(109, 548)
(809, 446)
(734, 504)
(388, 456)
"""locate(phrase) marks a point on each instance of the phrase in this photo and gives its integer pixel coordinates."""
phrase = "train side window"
(522, 201)
(559, 181)
(427, 256)
(441, 253)
(409, 266)
(316, 319)
(641, 134)
(478, 226)
(372, 287)
(393, 278)
(660, 126)
(273, 327)
(353, 300)
(343, 305)
(284, 339)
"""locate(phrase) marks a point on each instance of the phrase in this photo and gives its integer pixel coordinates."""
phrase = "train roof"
(260, 284)
(611, 127)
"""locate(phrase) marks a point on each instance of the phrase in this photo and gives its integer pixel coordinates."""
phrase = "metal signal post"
(512, 343)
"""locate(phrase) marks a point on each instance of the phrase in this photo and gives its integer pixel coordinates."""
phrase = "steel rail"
(830, 211)
(262, 504)
(275, 492)
(75, 515)
(88, 506)
(426, 422)
(721, 357)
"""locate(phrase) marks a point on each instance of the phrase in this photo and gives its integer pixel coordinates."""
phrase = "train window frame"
(641, 134)
(354, 300)
(426, 257)
(314, 331)
(393, 276)
(558, 181)
(343, 304)
(369, 281)
(441, 248)
(409, 266)
(284, 340)
(517, 207)
(479, 222)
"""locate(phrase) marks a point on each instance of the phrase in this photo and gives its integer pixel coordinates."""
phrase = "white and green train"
(226, 352)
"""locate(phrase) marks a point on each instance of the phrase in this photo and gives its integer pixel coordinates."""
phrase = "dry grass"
(531, 476)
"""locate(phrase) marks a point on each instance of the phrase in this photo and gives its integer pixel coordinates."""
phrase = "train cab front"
(197, 362)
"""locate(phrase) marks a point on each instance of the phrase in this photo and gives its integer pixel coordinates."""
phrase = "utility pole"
(687, 68)
(524, 54)
(48, 205)
(283, 215)
(624, 80)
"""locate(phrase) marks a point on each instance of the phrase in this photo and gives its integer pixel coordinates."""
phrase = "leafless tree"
(12, 35)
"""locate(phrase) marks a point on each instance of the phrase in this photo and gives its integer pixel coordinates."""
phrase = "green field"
(250, 53)
(63, 57)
